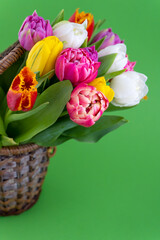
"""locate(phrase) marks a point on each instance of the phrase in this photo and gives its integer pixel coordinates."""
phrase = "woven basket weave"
(22, 172)
(22, 168)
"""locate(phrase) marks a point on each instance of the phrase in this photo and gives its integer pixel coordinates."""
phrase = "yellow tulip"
(43, 55)
(100, 85)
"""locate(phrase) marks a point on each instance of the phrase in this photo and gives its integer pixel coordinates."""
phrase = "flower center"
(81, 17)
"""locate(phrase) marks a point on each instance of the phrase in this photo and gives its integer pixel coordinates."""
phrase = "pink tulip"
(77, 66)
(86, 105)
(130, 66)
(34, 29)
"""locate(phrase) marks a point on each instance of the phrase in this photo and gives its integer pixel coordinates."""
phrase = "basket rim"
(20, 149)
(9, 56)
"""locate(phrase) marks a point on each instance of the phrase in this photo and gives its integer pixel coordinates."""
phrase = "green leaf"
(61, 140)
(106, 63)
(7, 77)
(2, 96)
(6, 141)
(57, 95)
(43, 78)
(2, 128)
(103, 126)
(24, 62)
(22, 115)
(112, 108)
(99, 24)
(109, 76)
(84, 45)
(98, 43)
(96, 27)
(59, 18)
(49, 136)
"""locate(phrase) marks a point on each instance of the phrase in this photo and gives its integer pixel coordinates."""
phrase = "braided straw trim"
(10, 56)
(16, 150)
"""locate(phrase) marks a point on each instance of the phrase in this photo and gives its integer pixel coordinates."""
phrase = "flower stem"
(63, 114)
(8, 113)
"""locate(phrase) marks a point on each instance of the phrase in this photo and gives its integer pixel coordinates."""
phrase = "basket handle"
(51, 151)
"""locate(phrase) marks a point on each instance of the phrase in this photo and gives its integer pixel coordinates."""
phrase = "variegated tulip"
(23, 92)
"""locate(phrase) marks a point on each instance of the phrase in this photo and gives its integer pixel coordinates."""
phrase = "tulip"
(81, 17)
(92, 53)
(111, 38)
(100, 85)
(72, 34)
(129, 88)
(130, 66)
(22, 93)
(76, 65)
(86, 105)
(43, 55)
(33, 29)
(121, 58)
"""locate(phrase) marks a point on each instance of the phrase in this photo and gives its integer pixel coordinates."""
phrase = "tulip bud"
(86, 105)
(76, 65)
(81, 17)
(23, 92)
(121, 58)
(100, 85)
(129, 88)
(33, 29)
(111, 38)
(43, 55)
(72, 34)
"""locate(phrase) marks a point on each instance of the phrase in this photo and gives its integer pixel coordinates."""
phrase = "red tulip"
(81, 17)
(22, 93)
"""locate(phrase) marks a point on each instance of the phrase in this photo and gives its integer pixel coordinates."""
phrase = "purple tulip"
(34, 29)
(92, 53)
(111, 38)
(76, 65)
(86, 105)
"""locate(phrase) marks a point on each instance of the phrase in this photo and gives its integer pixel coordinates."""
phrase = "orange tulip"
(81, 17)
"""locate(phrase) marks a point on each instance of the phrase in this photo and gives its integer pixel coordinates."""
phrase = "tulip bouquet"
(68, 76)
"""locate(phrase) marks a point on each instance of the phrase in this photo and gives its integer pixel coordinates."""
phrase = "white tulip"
(120, 60)
(71, 34)
(129, 88)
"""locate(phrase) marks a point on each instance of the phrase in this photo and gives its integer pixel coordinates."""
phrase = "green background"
(110, 190)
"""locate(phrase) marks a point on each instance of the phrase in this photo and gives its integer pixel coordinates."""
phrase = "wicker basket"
(22, 168)
(22, 172)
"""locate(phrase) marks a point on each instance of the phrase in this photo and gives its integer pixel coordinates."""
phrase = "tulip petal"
(33, 29)
(60, 67)
(22, 93)
(90, 106)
